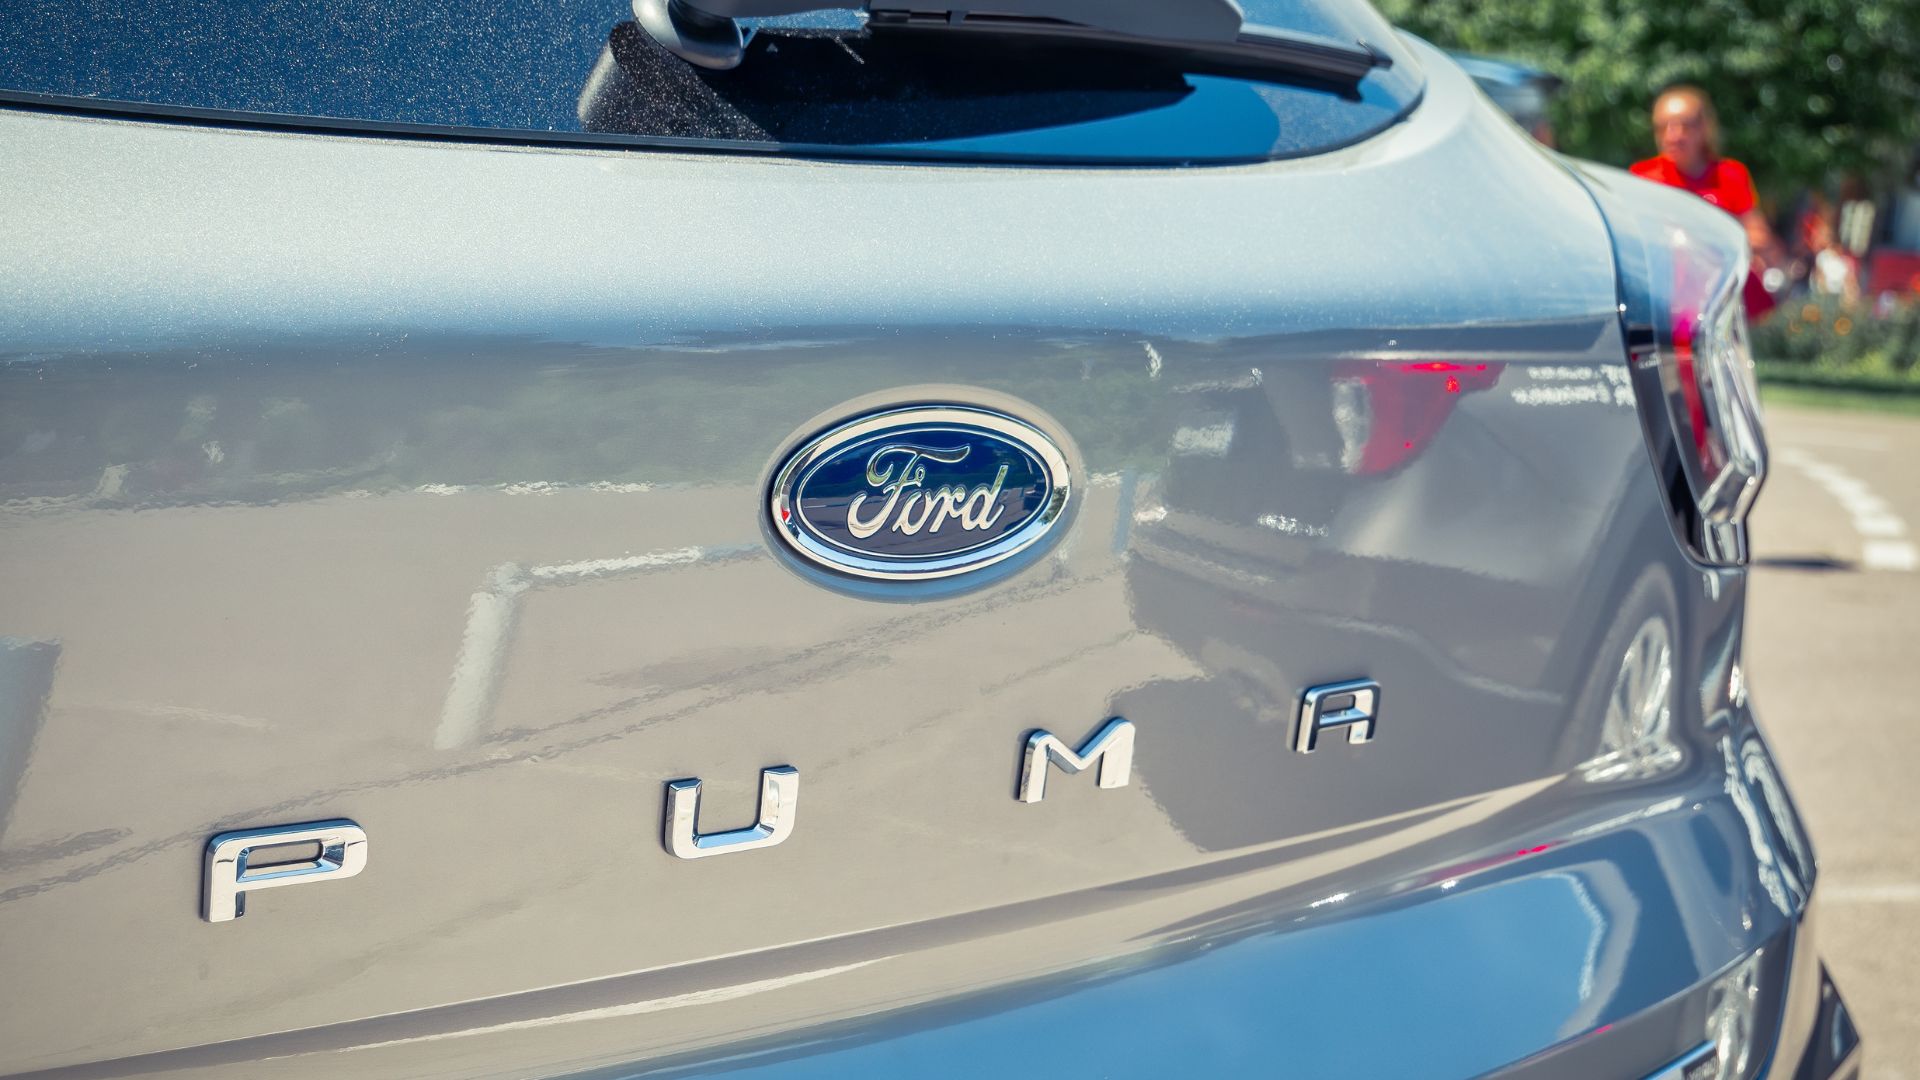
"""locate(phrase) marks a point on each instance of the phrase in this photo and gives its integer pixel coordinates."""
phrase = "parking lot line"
(1882, 532)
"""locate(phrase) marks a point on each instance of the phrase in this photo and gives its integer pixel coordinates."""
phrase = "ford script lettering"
(920, 493)
(974, 509)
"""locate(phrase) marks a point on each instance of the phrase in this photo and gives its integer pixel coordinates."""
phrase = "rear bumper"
(1800, 1028)
(1832, 1043)
(1201, 1013)
(1632, 944)
(1645, 944)
(1832, 1047)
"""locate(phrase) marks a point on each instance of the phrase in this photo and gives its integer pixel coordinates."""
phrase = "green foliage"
(1820, 397)
(1825, 338)
(1806, 90)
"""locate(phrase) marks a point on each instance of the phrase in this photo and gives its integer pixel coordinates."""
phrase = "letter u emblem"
(779, 804)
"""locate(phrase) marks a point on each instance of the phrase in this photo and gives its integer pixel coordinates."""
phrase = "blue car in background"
(1521, 91)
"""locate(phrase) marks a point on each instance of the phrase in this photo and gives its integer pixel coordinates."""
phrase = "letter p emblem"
(240, 862)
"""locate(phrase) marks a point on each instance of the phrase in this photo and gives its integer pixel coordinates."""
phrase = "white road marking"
(636, 1008)
(1890, 555)
(587, 569)
(1881, 531)
(1880, 525)
(537, 487)
(1896, 892)
(1213, 440)
(174, 712)
(495, 608)
(1846, 439)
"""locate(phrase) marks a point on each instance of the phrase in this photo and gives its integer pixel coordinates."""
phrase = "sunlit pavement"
(1834, 660)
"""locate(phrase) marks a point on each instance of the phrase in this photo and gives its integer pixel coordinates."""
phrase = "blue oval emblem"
(920, 493)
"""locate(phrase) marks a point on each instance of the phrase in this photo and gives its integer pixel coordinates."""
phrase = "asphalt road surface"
(1831, 656)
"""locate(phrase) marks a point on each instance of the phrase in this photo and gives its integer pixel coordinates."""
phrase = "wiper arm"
(1212, 33)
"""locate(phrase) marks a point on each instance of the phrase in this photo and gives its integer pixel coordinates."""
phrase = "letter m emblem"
(1111, 747)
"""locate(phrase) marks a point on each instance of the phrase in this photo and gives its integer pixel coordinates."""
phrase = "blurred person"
(1835, 272)
(1806, 239)
(1854, 226)
(1688, 133)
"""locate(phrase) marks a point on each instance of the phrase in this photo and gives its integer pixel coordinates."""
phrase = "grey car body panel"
(421, 484)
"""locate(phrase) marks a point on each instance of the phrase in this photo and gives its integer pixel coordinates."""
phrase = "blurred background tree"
(1808, 91)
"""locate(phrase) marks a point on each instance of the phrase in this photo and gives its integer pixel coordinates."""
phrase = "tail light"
(1387, 411)
(1682, 264)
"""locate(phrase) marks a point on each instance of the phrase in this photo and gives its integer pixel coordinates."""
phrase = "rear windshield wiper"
(1211, 34)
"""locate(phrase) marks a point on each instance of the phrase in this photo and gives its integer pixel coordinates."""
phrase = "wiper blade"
(1206, 33)
(1254, 49)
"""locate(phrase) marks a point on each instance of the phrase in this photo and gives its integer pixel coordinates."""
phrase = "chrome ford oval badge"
(920, 493)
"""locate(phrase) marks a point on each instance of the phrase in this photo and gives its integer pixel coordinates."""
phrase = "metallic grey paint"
(423, 485)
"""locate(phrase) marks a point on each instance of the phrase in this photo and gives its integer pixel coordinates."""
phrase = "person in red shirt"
(1688, 133)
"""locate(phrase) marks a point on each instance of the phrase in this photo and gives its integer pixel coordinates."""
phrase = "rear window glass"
(580, 70)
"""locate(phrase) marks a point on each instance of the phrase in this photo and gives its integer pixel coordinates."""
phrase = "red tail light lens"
(1706, 371)
(1682, 264)
(1389, 410)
